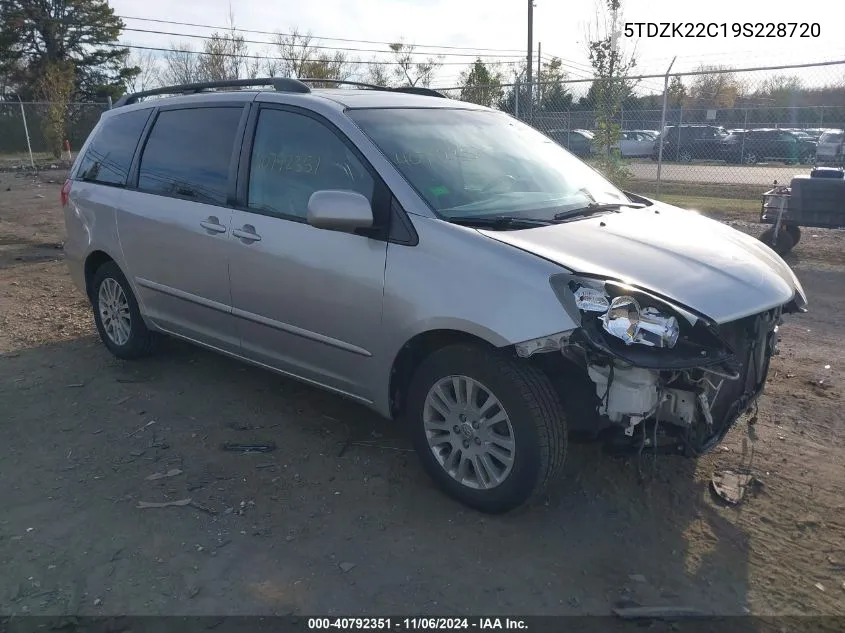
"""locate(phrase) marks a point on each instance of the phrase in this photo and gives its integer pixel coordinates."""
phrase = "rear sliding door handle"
(247, 233)
(212, 225)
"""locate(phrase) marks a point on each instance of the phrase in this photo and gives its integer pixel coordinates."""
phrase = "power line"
(333, 39)
(315, 46)
(278, 59)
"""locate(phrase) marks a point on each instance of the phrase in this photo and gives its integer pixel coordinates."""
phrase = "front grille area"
(753, 340)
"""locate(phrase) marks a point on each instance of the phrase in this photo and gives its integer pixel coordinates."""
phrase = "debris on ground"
(173, 472)
(731, 486)
(249, 448)
(657, 613)
(346, 567)
(637, 578)
(163, 504)
(243, 426)
(819, 586)
(138, 430)
(202, 508)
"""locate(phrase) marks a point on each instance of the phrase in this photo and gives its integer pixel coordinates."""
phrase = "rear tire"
(116, 315)
(685, 156)
(456, 434)
(782, 245)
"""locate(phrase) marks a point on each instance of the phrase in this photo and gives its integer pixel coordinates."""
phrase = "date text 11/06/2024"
(723, 29)
(417, 624)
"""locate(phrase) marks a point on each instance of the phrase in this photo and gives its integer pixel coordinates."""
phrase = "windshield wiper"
(596, 207)
(498, 221)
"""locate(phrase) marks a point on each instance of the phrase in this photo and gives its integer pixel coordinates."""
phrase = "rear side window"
(188, 153)
(107, 159)
(831, 137)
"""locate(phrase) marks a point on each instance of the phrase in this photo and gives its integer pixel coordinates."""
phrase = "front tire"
(488, 427)
(116, 314)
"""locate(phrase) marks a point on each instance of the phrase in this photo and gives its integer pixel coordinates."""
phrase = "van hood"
(700, 263)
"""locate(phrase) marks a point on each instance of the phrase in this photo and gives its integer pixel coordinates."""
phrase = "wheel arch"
(93, 262)
(414, 351)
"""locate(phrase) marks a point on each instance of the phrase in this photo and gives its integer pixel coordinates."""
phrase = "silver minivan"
(440, 262)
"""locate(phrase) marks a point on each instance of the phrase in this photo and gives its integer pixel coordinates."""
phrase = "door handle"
(247, 234)
(212, 225)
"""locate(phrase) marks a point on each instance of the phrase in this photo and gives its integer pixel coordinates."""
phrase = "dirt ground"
(340, 518)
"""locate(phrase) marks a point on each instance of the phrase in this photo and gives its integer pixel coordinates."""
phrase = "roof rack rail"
(428, 92)
(416, 90)
(282, 84)
(340, 82)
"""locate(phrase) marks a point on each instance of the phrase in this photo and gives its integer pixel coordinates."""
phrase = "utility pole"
(529, 67)
(539, 73)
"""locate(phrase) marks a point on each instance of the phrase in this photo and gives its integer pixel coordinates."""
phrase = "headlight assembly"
(623, 317)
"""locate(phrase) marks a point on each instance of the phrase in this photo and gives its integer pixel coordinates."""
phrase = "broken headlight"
(623, 317)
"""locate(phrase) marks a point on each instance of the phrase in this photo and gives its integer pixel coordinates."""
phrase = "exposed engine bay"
(659, 376)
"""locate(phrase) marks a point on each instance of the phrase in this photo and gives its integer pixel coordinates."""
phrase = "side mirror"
(337, 210)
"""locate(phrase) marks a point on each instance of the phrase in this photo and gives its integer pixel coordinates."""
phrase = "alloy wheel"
(469, 432)
(114, 311)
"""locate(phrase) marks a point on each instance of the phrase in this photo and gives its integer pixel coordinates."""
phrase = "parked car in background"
(634, 143)
(831, 148)
(815, 133)
(754, 146)
(690, 142)
(579, 142)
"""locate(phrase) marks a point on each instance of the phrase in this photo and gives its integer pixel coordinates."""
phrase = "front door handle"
(212, 225)
(247, 234)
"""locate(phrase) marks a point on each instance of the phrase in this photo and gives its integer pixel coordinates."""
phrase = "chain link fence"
(688, 137)
(27, 138)
(720, 134)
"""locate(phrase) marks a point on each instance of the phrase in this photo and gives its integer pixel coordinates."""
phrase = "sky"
(560, 27)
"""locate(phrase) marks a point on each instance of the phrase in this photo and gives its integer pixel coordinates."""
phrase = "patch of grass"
(699, 190)
(720, 208)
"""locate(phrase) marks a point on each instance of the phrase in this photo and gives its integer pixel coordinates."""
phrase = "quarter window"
(188, 153)
(295, 155)
(109, 155)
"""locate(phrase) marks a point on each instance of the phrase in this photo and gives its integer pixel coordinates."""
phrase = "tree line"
(65, 51)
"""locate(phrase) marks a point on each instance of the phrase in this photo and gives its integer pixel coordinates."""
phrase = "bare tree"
(180, 66)
(149, 75)
(409, 72)
(326, 66)
(378, 73)
(296, 50)
(226, 56)
(719, 87)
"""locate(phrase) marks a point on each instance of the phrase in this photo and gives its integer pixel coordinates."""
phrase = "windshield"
(480, 163)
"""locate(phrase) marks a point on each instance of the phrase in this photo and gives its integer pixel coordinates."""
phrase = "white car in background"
(635, 143)
(830, 147)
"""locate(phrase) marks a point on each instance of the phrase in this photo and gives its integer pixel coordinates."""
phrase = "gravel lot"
(339, 518)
